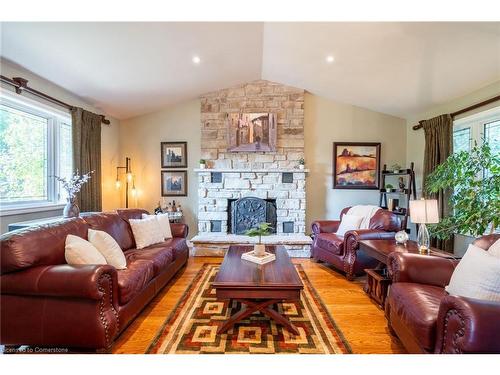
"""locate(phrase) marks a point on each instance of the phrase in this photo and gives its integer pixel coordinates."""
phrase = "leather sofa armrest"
(325, 226)
(64, 280)
(179, 230)
(369, 234)
(468, 325)
(421, 269)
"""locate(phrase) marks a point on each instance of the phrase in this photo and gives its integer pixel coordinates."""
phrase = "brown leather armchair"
(429, 320)
(342, 252)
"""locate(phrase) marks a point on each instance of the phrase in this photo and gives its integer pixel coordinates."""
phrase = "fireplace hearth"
(249, 212)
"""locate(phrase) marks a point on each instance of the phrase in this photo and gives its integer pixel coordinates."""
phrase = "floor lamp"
(128, 180)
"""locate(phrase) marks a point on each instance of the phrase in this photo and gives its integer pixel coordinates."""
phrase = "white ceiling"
(127, 69)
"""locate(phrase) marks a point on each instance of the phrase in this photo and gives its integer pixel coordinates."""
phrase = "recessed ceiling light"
(330, 59)
(196, 59)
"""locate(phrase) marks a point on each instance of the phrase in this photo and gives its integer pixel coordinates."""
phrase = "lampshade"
(424, 211)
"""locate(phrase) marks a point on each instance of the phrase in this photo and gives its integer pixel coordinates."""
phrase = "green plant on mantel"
(263, 229)
(474, 178)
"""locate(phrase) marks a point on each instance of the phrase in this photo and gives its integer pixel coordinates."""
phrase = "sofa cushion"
(115, 226)
(330, 242)
(159, 255)
(417, 306)
(133, 279)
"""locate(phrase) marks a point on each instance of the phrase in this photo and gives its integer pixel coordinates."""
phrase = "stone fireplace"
(242, 189)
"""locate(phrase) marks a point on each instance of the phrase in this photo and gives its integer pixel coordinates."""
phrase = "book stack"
(259, 259)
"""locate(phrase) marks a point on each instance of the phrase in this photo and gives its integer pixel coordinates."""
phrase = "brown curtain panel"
(87, 156)
(438, 146)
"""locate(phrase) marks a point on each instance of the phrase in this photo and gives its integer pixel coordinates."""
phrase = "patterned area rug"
(192, 326)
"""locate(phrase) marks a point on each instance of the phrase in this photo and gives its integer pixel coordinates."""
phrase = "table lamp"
(424, 211)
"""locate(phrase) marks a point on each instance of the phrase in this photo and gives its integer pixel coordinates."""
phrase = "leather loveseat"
(429, 320)
(343, 252)
(48, 303)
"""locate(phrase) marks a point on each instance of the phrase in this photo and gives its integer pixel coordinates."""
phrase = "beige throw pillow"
(164, 222)
(476, 276)
(79, 251)
(495, 249)
(108, 247)
(349, 222)
(146, 232)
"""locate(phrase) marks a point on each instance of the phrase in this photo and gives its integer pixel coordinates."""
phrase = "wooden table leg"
(262, 306)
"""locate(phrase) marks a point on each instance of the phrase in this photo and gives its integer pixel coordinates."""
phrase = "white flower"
(75, 183)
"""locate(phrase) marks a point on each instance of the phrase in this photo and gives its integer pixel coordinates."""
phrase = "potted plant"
(389, 188)
(72, 187)
(474, 177)
(396, 168)
(203, 163)
(263, 229)
(302, 163)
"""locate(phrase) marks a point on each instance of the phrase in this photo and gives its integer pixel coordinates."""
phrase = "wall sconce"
(129, 179)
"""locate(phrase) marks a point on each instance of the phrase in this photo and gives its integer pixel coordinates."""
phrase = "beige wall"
(109, 143)
(327, 121)
(140, 139)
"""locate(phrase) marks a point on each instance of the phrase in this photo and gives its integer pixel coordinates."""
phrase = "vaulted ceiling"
(127, 69)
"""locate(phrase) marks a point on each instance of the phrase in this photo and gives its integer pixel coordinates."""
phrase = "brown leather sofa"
(427, 319)
(343, 252)
(48, 303)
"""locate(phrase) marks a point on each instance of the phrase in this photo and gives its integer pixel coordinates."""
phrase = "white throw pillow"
(476, 276)
(79, 251)
(164, 222)
(495, 249)
(349, 222)
(146, 232)
(109, 248)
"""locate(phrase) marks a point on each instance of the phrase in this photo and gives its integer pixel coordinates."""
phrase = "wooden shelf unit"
(409, 191)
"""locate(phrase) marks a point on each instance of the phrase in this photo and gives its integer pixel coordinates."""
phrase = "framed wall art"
(356, 165)
(173, 183)
(174, 154)
(251, 132)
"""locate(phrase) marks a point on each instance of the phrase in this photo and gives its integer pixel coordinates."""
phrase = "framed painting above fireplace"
(251, 132)
(356, 165)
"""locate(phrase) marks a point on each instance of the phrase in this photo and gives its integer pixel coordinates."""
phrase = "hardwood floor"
(362, 322)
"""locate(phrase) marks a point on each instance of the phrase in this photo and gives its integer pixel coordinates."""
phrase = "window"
(476, 128)
(35, 145)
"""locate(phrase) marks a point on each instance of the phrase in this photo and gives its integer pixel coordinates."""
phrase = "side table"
(377, 281)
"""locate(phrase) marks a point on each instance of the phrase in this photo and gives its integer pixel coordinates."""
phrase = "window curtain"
(86, 132)
(438, 146)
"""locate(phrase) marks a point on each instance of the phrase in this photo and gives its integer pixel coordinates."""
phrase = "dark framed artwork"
(251, 132)
(173, 183)
(174, 154)
(356, 165)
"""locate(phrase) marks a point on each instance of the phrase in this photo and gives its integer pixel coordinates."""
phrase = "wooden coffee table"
(257, 286)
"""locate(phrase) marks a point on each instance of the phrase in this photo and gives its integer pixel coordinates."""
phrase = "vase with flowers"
(72, 186)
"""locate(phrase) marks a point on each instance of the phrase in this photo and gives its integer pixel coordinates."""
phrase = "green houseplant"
(263, 229)
(474, 177)
(203, 163)
(302, 163)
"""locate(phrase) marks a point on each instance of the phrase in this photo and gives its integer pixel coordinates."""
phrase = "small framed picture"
(173, 183)
(356, 165)
(174, 154)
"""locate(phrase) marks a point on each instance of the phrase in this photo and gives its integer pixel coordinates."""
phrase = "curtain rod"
(21, 84)
(466, 109)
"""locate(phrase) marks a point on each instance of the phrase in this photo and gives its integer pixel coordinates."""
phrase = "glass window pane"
(461, 140)
(492, 135)
(23, 156)
(65, 155)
